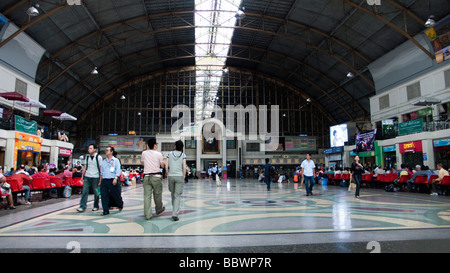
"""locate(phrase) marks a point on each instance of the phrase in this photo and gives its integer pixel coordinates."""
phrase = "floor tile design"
(243, 209)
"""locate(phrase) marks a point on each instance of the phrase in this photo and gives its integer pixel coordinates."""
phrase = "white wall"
(431, 85)
(8, 83)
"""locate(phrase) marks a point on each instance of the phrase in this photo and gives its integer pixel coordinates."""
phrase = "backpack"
(96, 158)
(389, 188)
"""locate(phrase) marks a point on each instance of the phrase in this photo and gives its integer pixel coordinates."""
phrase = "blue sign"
(333, 150)
(441, 142)
(389, 149)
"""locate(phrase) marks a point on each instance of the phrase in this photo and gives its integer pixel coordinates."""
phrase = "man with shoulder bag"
(91, 178)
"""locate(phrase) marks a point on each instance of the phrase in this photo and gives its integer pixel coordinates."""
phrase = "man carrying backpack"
(91, 178)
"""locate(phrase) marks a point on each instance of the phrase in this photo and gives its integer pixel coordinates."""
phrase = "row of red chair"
(390, 178)
(40, 183)
(339, 177)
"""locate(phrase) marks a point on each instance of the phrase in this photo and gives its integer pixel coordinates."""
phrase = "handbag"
(67, 192)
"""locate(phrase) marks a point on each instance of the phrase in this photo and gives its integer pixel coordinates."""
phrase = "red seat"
(49, 184)
(57, 181)
(421, 179)
(367, 177)
(68, 181)
(346, 177)
(390, 178)
(403, 179)
(76, 182)
(432, 177)
(380, 177)
(445, 181)
(15, 185)
(337, 176)
(39, 183)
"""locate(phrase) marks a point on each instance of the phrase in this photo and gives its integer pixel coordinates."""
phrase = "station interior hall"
(242, 84)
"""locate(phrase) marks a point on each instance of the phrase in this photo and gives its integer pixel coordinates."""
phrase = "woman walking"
(176, 170)
(357, 170)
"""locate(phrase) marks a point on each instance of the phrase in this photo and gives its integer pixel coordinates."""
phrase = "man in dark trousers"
(110, 173)
(267, 167)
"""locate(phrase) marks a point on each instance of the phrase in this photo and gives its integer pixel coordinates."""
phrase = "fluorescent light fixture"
(94, 71)
(33, 11)
(430, 22)
(240, 14)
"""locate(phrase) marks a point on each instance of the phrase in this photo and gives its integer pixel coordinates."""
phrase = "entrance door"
(231, 168)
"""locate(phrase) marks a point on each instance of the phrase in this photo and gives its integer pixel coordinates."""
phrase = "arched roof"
(310, 44)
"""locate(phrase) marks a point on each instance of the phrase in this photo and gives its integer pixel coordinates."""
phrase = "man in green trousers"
(153, 162)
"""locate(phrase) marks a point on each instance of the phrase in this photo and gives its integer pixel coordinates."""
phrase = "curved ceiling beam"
(32, 23)
(184, 57)
(337, 58)
(391, 25)
(231, 69)
(281, 56)
(15, 6)
(406, 10)
(149, 17)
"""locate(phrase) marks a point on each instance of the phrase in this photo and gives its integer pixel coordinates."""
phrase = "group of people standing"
(104, 174)
(308, 172)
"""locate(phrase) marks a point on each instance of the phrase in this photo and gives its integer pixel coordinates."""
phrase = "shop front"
(64, 156)
(334, 157)
(412, 153)
(441, 148)
(389, 157)
(27, 149)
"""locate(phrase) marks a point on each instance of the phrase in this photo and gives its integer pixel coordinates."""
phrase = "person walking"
(109, 180)
(357, 169)
(176, 169)
(91, 178)
(308, 171)
(153, 162)
(267, 167)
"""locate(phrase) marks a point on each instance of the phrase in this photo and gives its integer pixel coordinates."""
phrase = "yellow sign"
(26, 142)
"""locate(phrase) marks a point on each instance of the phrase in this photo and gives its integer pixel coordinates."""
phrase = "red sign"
(65, 152)
(411, 147)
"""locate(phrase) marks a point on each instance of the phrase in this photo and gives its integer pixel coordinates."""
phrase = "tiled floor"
(239, 216)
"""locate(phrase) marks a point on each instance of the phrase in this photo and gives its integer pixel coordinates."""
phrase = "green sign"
(25, 126)
(410, 127)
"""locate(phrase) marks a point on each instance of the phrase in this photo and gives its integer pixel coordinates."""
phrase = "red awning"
(51, 113)
(14, 96)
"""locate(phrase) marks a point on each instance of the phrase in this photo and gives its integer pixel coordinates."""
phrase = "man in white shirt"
(153, 162)
(308, 171)
(91, 178)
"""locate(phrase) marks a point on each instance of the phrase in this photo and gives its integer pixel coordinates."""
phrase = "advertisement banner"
(410, 127)
(365, 141)
(24, 125)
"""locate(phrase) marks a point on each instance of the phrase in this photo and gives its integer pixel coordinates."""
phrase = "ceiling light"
(240, 14)
(94, 71)
(123, 97)
(308, 100)
(33, 11)
(430, 22)
(350, 74)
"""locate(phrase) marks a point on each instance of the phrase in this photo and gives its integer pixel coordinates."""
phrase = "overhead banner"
(365, 141)
(24, 125)
(439, 36)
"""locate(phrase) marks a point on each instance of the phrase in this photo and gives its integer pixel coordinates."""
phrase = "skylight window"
(214, 27)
